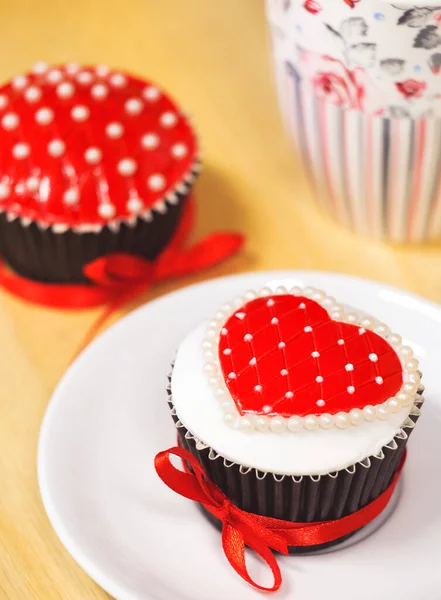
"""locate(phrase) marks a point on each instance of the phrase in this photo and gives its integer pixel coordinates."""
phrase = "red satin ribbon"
(261, 534)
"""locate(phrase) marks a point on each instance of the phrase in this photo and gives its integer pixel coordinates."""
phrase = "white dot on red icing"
(302, 305)
(284, 372)
(308, 329)
(44, 116)
(65, 90)
(71, 196)
(106, 210)
(33, 184)
(349, 367)
(20, 188)
(32, 94)
(72, 68)
(56, 148)
(319, 379)
(281, 345)
(80, 113)
(224, 331)
(270, 302)
(93, 156)
(151, 93)
(253, 361)
(118, 80)
(373, 357)
(150, 141)
(133, 106)
(247, 337)
(168, 119)
(156, 182)
(266, 408)
(102, 70)
(289, 395)
(20, 82)
(274, 321)
(99, 91)
(3, 101)
(240, 315)
(351, 389)
(85, 78)
(379, 380)
(114, 130)
(127, 167)
(227, 351)
(55, 76)
(21, 151)
(320, 403)
(361, 331)
(340, 342)
(135, 205)
(4, 191)
(179, 151)
(40, 67)
(257, 388)
(315, 354)
(232, 375)
(10, 121)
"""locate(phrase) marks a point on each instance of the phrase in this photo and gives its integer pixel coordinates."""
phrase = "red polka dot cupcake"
(93, 162)
(297, 408)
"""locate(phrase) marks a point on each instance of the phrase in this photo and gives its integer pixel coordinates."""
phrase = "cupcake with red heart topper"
(93, 162)
(296, 407)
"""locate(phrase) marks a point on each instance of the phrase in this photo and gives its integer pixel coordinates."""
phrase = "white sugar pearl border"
(278, 424)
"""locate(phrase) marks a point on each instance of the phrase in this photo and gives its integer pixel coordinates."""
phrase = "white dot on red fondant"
(106, 210)
(302, 305)
(44, 116)
(168, 119)
(20, 82)
(10, 121)
(84, 77)
(54, 76)
(320, 403)
(114, 130)
(71, 196)
(270, 302)
(93, 155)
(319, 379)
(281, 345)
(253, 361)
(315, 354)
(289, 395)
(149, 141)
(361, 330)
(40, 67)
(127, 167)
(308, 329)
(3, 101)
(99, 91)
(80, 113)
(232, 375)
(351, 389)
(21, 151)
(4, 191)
(224, 331)
(257, 388)
(33, 184)
(284, 372)
(240, 315)
(20, 188)
(56, 148)
(274, 321)
(65, 90)
(247, 337)
(102, 70)
(133, 106)
(135, 205)
(32, 94)
(72, 68)
(156, 182)
(151, 93)
(340, 342)
(379, 380)
(349, 367)
(179, 150)
(227, 351)
(118, 80)
(266, 408)
(373, 357)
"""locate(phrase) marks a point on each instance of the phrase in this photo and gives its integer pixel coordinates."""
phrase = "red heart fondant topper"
(284, 355)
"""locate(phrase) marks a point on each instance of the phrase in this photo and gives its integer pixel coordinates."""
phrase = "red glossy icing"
(257, 318)
(95, 183)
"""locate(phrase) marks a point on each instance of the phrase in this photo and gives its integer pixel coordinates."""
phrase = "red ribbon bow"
(261, 534)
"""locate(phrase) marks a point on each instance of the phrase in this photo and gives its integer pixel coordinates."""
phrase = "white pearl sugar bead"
(405, 352)
(414, 378)
(214, 380)
(209, 355)
(133, 106)
(93, 156)
(265, 291)
(352, 318)
(409, 387)
(227, 309)
(156, 182)
(356, 416)
(211, 334)
(318, 295)
(382, 411)
(246, 423)
(342, 420)
(220, 394)
(99, 91)
(206, 344)
(337, 315)
(393, 404)
(211, 368)
(395, 339)
(369, 413)
(326, 421)
(21, 151)
(213, 323)
(32, 94)
(114, 130)
(230, 418)
(149, 141)
(238, 301)
(278, 424)
(168, 119)
(296, 291)
(56, 148)
(411, 365)
(227, 406)
(71, 196)
(311, 422)
(261, 423)
(10, 121)
(65, 90)
(106, 210)
(281, 290)
(135, 205)
(367, 323)
(250, 295)
(329, 301)
(295, 423)
(337, 307)
(403, 398)
(382, 330)
(80, 113)
(127, 167)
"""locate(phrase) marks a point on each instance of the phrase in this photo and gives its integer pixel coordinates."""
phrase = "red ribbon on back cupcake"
(241, 529)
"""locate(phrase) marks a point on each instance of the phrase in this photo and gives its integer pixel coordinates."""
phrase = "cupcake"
(296, 407)
(93, 162)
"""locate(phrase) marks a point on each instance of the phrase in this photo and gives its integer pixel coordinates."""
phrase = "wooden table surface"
(215, 58)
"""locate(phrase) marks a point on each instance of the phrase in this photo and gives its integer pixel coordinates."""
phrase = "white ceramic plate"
(108, 418)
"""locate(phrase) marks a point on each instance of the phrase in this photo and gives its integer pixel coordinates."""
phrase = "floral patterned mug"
(359, 86)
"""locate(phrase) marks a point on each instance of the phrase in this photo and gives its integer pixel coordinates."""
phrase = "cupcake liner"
(302, 498)
(44, 254)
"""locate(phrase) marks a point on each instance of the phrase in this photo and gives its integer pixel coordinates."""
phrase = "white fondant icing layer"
(305, 453)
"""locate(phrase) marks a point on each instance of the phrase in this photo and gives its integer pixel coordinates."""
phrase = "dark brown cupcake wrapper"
(302, 498)
(49, 255)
